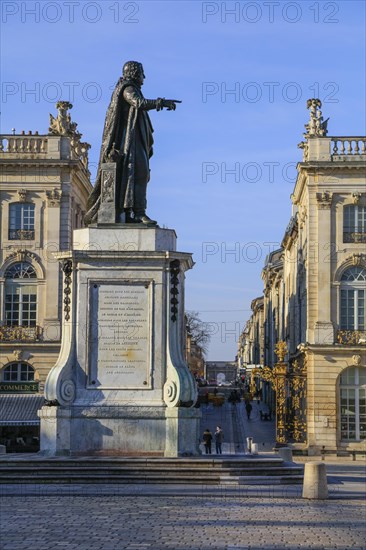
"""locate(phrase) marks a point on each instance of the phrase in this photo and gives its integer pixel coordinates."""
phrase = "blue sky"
(273, 55)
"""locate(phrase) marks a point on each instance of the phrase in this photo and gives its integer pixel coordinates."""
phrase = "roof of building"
(20, 410)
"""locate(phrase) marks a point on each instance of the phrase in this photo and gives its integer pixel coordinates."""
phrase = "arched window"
(18, 372)
(21, 295)
(21, 221)
(353, 404)
(21, 270)
(354, 224)
(353, 299)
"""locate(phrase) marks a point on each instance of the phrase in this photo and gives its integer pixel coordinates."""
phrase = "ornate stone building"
(315, 294)
(44, 186)
(251, 343)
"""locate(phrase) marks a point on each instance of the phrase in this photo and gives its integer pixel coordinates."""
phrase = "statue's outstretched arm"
(137, 100)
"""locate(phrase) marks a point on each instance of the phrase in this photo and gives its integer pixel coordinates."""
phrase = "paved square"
(183, 522)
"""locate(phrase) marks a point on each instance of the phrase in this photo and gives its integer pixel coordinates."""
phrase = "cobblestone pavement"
(174, 523)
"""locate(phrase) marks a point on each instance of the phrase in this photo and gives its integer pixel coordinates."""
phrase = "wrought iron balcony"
(21, 234)
(351, 337)
(21, 334)
(354, 237)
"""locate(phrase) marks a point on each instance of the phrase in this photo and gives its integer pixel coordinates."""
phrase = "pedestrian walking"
(207, 440)
(207, 398)
(248, 408)
(219, 437)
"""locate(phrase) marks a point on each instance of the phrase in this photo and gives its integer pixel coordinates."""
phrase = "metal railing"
(20, 333)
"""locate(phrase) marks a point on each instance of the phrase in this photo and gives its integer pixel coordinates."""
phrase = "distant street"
(233, 420)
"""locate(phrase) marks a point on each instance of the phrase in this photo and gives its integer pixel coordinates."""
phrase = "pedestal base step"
(238, 471)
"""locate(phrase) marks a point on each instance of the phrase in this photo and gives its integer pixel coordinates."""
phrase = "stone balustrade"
(353, 146)
(22, 143)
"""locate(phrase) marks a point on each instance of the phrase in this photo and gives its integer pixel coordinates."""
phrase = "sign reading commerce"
(19, 387)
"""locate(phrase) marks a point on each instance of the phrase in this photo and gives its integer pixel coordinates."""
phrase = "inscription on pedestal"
(119, 335)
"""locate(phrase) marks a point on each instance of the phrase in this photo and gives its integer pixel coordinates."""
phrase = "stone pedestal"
(121, 385)
(285, 453)
(315, 481)
(182, 431)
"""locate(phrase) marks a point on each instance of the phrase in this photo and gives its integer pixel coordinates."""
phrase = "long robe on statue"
(127, 129)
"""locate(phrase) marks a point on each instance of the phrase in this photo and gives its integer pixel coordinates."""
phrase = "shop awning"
(20, 410)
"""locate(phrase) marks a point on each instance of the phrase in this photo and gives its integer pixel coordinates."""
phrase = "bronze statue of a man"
(128, 141)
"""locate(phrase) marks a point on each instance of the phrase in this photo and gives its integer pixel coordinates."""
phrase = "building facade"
(315, 295)
(44, 186)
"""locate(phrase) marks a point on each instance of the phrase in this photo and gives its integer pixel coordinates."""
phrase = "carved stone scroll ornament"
(60, 389)
(180, 387)
(67, 390)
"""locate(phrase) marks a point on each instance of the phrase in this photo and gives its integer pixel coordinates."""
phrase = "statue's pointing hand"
(169, 104)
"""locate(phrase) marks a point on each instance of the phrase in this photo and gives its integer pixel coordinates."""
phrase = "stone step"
(86, 470)
(17, 470)
(135, 465)
(140, 479)
(286, 479)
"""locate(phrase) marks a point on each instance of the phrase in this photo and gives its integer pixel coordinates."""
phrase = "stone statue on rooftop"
(127, 143)
(317, 126)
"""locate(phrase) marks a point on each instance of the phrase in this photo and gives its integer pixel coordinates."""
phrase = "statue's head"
(133, 70)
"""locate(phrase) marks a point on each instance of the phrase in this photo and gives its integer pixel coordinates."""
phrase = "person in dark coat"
(207, 440)
(248, 408)
(219, 437)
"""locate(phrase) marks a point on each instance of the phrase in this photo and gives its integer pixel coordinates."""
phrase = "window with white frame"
(21, 221)
(354, 224)
(352, 389)
(18, 372)
(353, 299)
(21, 295)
